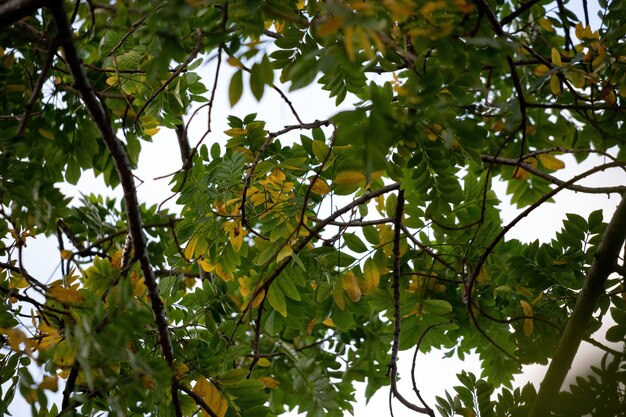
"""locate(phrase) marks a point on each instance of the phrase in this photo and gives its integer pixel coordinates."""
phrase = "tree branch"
(393, 362)
(573, 187)
(122, 165)
(603, 264)
(14, 10)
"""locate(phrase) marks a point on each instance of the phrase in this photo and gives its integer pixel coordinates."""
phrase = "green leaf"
(236, 87)
(354, 243)
(277, 299)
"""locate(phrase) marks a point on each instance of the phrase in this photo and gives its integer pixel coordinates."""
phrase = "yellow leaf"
(310, 326)
(556, 57)
(551, 162)
(152, 132)
(235, 132)
(269, 382)
(16, 338)
(111, 80)
(371, 277)
(330, 26)
(528, 322)
(237, 233)
(546, 24)
(191, 247)
(329, 322)
(50, 383)
(65, 295)
(206, 266)
(484, 276)
(264, 362)
(180, 370)
(284, 252)
(555, 85)
(540, 70)
(349, 178)
(351, 286)
(234, 62)
(348, 34)
(319, 186)
(257, 300)
(66, 254)
(46, 134)
(338, 297)
(576, 77)
(220, 273)
(212, 397)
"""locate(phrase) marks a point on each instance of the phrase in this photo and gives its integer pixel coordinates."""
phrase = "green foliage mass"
(302, 260)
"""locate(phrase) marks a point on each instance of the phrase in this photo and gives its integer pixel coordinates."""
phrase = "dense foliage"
(304, 259)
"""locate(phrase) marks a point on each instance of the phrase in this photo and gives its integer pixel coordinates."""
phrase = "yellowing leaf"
(191, 247)
(339, 299)
(284, 252)
(528, 322)
(264, 362)
(152, 132)
(46, 134)
(206, 266)
(555, 85)
(521, 173)
(330, 26)
(236, 132)
(237, 233)
(350, 284)
(371, 277)
(111, 80)
(556, 57)
(348, 42)
(540, 70)
(576, 77)
(349, 178)
(329, 322)
(319, 186)
(551, 162)
(50, 383)
(484, 276)
(546, 24)
(269, 382)
(65, 295)
(212, 397)
(180, 370)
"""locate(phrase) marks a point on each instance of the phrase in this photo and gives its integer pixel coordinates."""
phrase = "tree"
(304, 259)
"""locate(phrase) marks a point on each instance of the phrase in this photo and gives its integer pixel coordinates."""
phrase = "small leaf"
(551, 162)
(277, 299)
(65, 295)
(354, 243)
(235, 90)
(349, 178)
(284, 252)
(320, 186)
(371, 277)
(351, 286)
(269, 382)
(528, 322)
(191, 247)
(556, 56)
(555, 85)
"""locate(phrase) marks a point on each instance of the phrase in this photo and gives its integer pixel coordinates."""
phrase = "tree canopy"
(302, 258)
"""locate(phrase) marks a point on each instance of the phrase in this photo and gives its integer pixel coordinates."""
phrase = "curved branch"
(14, 10)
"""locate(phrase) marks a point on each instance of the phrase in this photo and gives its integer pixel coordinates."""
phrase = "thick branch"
(603, 264)
(122, 164)
(14, 10)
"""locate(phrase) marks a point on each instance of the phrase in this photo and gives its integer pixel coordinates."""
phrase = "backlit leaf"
(551, 162)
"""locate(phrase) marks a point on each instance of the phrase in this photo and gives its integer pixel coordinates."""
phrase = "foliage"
(301, 260)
